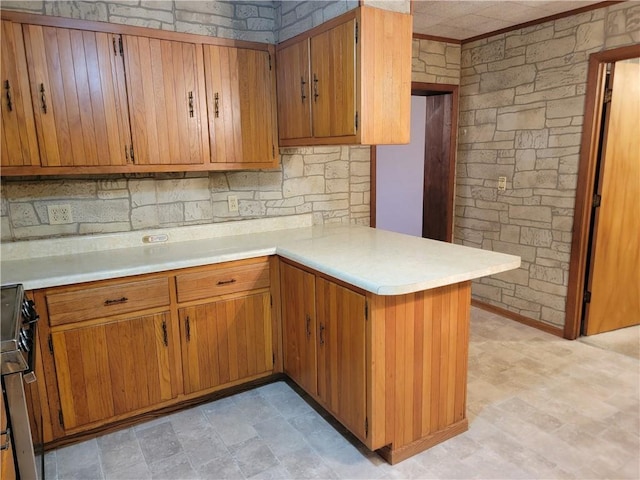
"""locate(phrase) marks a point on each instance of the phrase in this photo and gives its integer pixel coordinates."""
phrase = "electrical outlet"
(59, 214)
(502, 184)
(232, 200)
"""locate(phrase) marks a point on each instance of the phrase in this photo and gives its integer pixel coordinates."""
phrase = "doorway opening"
(602, 277)
(412, 186)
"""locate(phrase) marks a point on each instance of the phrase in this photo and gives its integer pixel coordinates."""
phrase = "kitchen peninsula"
(373, 325)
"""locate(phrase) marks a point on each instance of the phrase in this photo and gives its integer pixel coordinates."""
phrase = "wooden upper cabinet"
(240, 86)
(167, 104)
(19, 141)
(333, 81)
(78, 92)
(358, 67)
(294, 119)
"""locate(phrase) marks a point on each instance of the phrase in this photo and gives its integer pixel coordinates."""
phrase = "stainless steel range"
(17, 362)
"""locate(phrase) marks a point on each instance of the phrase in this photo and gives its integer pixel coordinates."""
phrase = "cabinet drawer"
(98, 302)
(221, 280)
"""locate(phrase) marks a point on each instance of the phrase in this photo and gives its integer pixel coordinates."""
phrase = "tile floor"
(539, 407)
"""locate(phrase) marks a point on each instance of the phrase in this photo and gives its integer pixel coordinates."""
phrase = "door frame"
(586, 183)
(421, 88)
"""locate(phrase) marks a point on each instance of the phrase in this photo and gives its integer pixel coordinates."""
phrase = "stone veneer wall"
(435, 62)
(333, 183)
(521, 116)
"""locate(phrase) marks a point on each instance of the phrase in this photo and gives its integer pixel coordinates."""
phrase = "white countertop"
(378, 261)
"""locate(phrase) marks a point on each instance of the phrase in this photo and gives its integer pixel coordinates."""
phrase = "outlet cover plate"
(59, 214)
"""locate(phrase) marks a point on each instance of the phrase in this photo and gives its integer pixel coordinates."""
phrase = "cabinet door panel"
(77, 92)
(166, 96)
(19, 143)
(341, 354)
(240, 92)
(111, 369)
(226, 341)
(299, 326)
(333, 56)
(294, 91)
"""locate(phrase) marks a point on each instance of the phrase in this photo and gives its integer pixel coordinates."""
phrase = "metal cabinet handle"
(322, 327)
(216, 105)
(226, 282)
(165, 339)
(116, 301)
(43, 98)
(191, 104)
(308, 326)
(302, 84)
(7, 88)
(187, 329)
(315, 88)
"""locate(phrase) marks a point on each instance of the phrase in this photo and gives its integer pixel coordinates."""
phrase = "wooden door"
(165, 84)
(114, 368)
(240, 98)
(225, 342)
(79, 96)
(19, 142)
(299, 326)
(333, 81)
(615, 277)
(439, 169)
(294, 91)
(341, 354)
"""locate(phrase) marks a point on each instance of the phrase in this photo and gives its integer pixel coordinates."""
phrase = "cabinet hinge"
(269, 62)
(120, 45)
(366, 309)
(356, 32)
(366, 427)
(61, 418)
(115, 48)
(587, 297)
(274, 358)
(597, 199)
(133, 159)
(608, 93)
(50, 342)
(273, 151)
(271, 299)
(356, 121)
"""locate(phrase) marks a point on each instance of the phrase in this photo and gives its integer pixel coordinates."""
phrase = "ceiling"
(461, 20)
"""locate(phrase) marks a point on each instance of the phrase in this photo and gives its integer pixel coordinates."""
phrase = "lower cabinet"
(324, 344)
(226, 342)
(112, 368)
(392, 369)
(125, 347)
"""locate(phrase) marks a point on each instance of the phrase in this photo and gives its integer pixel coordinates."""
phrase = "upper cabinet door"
(19, 140)
(294, 87)
(333, 78)
(77, 87)
(167, 105)
(241, 104)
